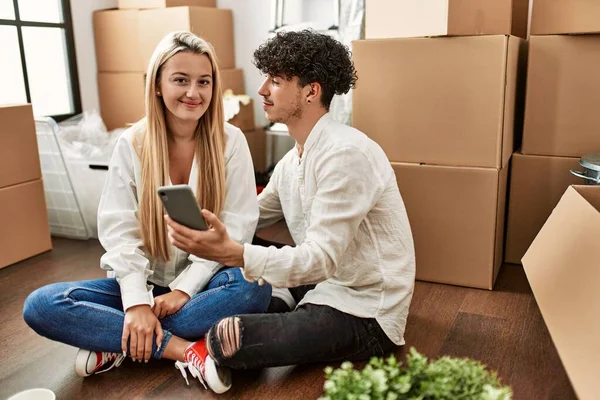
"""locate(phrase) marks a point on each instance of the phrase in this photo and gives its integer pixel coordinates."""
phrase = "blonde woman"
(162, 298)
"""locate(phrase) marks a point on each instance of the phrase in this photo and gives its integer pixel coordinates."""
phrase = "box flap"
(563, 268)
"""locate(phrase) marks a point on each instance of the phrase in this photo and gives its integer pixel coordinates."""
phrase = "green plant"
(447, 378)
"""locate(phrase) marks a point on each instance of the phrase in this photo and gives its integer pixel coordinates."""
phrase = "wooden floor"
(503, 329)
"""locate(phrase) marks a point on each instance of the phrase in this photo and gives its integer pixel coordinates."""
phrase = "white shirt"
(119, 229)
(342, 205)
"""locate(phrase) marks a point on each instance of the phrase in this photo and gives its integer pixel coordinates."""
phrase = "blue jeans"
(89, 314)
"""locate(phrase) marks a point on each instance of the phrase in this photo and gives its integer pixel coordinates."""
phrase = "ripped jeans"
(311, 333)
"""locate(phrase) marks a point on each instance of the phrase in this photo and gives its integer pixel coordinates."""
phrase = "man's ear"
(313, 93)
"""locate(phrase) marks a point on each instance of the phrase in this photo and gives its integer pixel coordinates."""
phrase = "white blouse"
(119, 229)
(341, 203)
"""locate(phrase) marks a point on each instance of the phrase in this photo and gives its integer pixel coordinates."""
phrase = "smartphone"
(181, 205)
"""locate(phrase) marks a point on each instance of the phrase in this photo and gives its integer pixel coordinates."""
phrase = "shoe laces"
(196, 367)
(117, 359)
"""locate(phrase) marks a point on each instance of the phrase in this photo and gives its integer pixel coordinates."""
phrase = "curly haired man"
(348, 282)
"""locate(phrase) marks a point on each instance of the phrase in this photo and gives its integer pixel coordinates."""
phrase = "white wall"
(320, 11)
(81, 13)
(251, 24)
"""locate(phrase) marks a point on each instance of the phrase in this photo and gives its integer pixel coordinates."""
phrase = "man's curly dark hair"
(310, 56)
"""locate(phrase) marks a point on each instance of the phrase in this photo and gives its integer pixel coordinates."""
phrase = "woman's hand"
(139, 326)
(169, 303)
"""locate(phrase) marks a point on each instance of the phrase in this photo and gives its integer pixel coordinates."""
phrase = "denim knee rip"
(225, 338)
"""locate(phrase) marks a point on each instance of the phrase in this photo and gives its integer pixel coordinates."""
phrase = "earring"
(308, 101)
(158, 93)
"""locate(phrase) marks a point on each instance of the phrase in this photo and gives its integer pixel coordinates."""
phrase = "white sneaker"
(96, 362)
(202, 366)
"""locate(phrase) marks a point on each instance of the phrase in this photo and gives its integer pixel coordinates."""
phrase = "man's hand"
(213, 244)
(169, 303)
(139, 326)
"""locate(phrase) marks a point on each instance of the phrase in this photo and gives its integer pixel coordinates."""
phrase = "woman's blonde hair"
(152, 145)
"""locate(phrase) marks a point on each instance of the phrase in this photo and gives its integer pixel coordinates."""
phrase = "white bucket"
(88, 178)
(34, 394)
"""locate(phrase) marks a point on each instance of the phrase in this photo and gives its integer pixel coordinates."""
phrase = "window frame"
(67, 25)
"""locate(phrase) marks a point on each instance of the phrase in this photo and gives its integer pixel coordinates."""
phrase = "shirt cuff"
(134, 291)
(255, 261)
(195, 277)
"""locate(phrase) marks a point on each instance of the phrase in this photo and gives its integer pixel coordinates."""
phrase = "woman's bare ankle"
(175, 349)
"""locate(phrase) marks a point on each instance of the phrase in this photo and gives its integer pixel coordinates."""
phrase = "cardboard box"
(116, 41)
(563, 93)
(125, 39)
(413, 18)
(565, 16)
(536, 185)
(233, 78)
(446, 101)
(212, 24)
(121, 98)
(564, 273)
(457, 219)
(245, 118)
(24, 231)
(257, 141)
(19, 156)
(140, 4)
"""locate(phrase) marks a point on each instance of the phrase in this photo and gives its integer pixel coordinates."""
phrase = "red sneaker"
(96, 362)
(202, 366)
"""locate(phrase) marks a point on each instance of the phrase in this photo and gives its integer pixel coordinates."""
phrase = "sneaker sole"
(218, 381)
(81, 362)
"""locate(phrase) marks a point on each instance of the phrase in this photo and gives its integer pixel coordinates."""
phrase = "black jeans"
(311, 333)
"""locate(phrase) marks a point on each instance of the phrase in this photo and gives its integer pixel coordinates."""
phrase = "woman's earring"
(308, 101)
(158, 93)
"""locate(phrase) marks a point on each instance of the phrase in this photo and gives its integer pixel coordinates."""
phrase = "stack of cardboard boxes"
(24, 231)
(555, 234)
(443, 110)
(561, 118)
(126, 38)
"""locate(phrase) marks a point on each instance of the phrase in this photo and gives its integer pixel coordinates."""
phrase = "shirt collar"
(315, 132)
